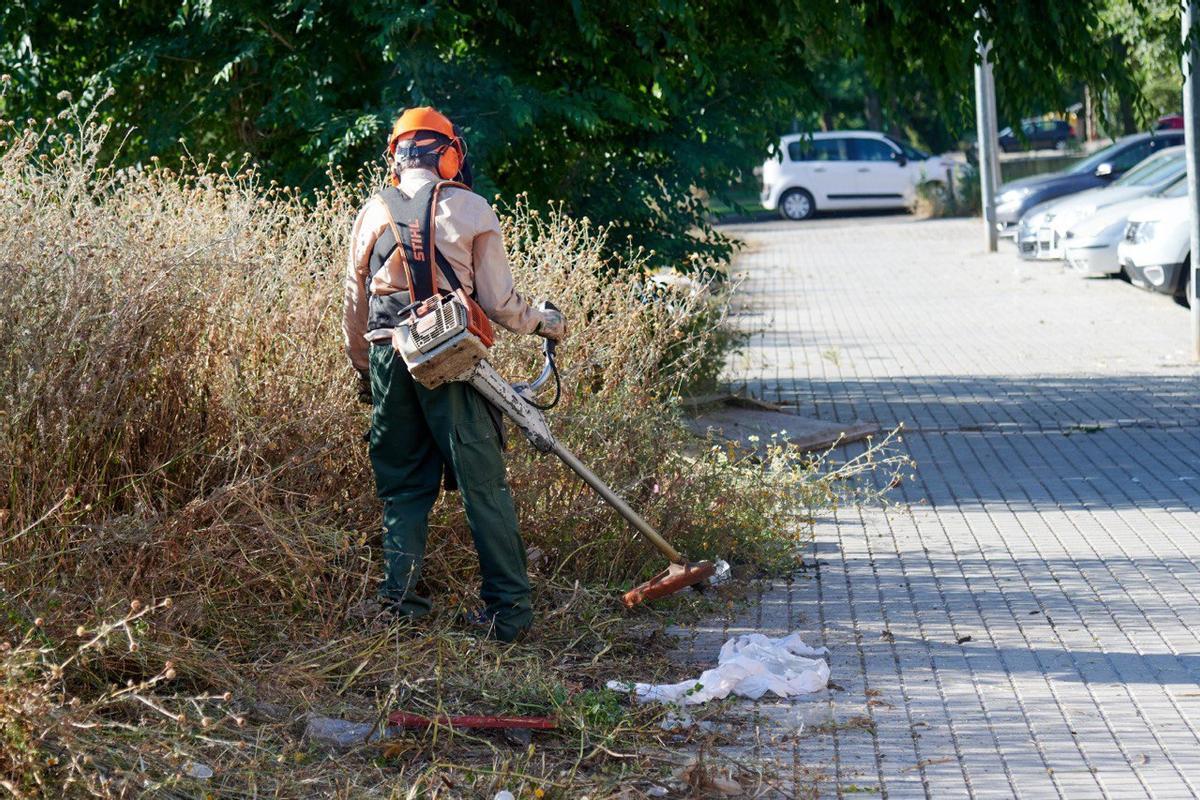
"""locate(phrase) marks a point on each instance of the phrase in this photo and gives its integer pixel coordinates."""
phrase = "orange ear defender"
(450, 160)
(425, 118)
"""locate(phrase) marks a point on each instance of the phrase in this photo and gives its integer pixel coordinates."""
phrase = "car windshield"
(1090, 163)
(910, 152)
(1176, 189)
(1152, 171)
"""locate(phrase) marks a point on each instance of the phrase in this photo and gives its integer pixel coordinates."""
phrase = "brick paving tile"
(1053, 519)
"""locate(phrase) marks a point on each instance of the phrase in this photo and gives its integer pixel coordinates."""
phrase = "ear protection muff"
(450, 153)
(450, 161)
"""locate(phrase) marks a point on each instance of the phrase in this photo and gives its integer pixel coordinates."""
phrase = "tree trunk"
(1086, 127)
(1124, 101)
(873, 110)
(893, 117)
(1128, 123)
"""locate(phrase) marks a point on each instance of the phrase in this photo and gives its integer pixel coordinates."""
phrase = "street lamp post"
(994, 130)
(1191, 134)
(985, 123)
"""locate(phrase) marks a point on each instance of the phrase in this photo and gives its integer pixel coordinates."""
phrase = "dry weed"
(177, 420)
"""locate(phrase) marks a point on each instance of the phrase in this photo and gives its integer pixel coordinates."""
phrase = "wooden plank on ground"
(737, 423)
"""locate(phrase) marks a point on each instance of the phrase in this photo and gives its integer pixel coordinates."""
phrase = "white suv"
(845, 170)
(1156, 250)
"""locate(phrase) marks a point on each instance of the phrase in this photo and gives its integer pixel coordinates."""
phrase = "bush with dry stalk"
(177, 420)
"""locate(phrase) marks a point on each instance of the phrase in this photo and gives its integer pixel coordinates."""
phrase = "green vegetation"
(1146, 34)
(627, 112)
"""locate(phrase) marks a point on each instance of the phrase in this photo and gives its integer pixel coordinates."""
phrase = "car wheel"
(1060, 145)
(1185, 282)
(796, 204)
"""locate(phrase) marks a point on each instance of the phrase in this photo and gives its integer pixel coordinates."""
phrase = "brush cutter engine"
(439, 345)
(441, 340)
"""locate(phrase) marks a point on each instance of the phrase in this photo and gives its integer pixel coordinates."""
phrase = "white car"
(1090, 247)
(845, 170)
(1042, 230)
(1155, 252)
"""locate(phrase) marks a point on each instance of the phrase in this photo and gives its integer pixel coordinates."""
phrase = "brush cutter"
(439, 343)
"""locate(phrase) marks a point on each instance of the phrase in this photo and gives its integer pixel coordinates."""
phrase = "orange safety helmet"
(425, 118)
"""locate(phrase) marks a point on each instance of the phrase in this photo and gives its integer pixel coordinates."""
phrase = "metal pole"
(1191, 134)
(985, 125)
(993, 131)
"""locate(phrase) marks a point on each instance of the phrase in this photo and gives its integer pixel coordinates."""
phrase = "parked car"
(1015, 198)
(1156, 249)
(1090, 247)
(1169, 122)
(845, 170)
(1037, 134)
(1042, 230)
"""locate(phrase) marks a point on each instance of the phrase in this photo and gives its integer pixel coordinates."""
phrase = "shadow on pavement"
(758, 217)
(1050, 598)
(1020, 444)
(987, 402)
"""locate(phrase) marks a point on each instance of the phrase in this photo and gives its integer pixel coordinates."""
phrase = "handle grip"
(548, 345)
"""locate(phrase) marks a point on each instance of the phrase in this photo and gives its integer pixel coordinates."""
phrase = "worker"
(419, 435)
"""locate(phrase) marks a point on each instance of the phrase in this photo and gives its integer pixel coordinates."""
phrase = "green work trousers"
(415, 433)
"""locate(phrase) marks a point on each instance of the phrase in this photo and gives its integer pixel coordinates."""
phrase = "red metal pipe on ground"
(403, 719)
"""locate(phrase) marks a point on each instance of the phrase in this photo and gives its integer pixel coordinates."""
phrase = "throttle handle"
(548, 345)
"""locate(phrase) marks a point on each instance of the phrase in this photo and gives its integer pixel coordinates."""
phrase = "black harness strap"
(413, 229)
(414, 219)
(410, 218)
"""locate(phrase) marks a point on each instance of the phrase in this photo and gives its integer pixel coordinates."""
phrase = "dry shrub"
(935, 199)
(177, 419)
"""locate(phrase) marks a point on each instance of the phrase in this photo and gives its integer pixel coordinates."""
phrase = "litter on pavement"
(195, 769)
(748, 666)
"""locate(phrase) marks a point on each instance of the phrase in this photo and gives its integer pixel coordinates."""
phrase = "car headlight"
(1031, 222)
(1138, 232)
(1013, 196)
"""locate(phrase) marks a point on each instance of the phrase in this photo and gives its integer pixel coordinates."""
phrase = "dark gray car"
(1017, 197)
(1036, 134)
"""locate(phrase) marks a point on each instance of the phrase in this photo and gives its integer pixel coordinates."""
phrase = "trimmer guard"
(669, 581)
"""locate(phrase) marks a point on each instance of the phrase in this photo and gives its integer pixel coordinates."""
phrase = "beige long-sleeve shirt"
(468, 235)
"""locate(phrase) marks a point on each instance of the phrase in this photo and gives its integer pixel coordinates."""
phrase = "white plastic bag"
(748, 666)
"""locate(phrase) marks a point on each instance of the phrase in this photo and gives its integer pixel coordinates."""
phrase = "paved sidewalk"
(1026, 621)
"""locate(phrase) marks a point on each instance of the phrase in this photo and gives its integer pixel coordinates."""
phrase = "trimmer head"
(669, 581)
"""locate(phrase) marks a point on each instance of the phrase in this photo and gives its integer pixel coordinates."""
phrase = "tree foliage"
(626, 111)
(1148, 32)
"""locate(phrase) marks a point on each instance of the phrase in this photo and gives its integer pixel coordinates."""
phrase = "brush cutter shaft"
(515, 403)
(504, 396)
(622, 508)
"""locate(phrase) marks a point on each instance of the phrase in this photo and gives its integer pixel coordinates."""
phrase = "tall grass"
(177, 420)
